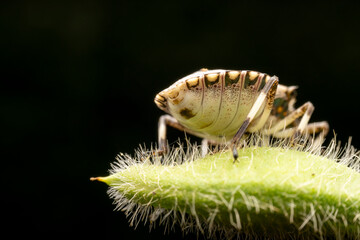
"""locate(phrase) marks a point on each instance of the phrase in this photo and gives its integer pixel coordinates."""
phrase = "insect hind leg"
(317, 127)
(280, 128)
(304, 112)
(266, 94)
(304, 128)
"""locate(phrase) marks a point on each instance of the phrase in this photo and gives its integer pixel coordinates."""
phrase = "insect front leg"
(267, 95)
(165, 120)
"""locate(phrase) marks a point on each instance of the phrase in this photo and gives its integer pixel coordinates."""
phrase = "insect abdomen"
(229, 98)
(239, 90)
(251, 84)
(214, 103)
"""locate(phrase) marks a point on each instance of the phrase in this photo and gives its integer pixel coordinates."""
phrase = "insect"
(219, 105)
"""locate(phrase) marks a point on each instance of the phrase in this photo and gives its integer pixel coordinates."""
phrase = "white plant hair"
(313, 216)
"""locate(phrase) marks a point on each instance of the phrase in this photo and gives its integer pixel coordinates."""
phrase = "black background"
(79, 78)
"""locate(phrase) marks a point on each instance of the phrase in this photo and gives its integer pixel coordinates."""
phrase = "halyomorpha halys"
(219, 105)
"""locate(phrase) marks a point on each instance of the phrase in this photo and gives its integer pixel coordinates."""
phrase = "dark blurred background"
(79, 78)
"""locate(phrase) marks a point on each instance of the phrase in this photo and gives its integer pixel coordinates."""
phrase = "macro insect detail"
(219, 105)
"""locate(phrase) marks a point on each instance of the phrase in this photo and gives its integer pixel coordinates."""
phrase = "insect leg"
(266, 94)
(304, 120)
(305, 111)
(311, 129)
(165, 120)
(204, 147)
(317, 127)
(260, 121)
(280, 126)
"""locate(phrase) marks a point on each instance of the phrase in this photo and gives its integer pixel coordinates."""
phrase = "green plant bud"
(273, 191)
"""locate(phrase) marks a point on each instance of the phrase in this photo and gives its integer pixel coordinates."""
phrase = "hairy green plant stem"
(269, 191)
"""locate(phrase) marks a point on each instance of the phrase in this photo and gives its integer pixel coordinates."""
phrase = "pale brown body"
(221, 105)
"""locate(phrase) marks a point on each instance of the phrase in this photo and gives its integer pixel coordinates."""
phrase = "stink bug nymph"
(219, 105)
